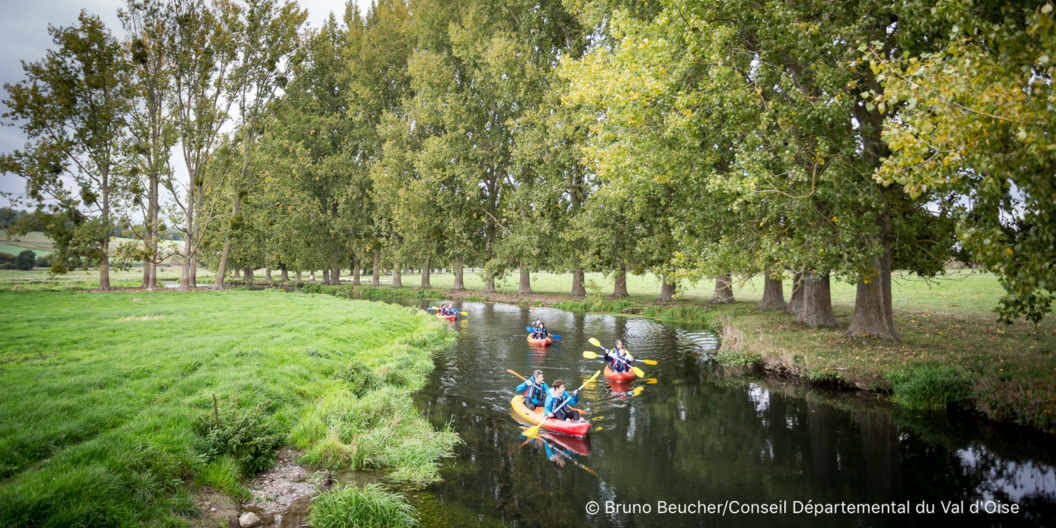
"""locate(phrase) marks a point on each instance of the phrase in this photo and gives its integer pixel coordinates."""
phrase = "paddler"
(555, 406)
(538, 330)
(534, 390)
(618, 359)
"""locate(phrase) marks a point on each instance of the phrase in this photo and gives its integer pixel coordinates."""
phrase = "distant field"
(42, 245)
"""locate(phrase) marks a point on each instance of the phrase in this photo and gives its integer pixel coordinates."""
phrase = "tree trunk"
(817, 303)
(355, 269)
(194, 270)
(873, 313)
(459, 272)
(267, 274)
(397, 275)
(426, 282)
(298, 277)
(311, 276)
(150, 243)
(619, 289)
(104, 266)
(285, 277)
(667, 290)
(795, 303)
(525, 287)
(335, 275)
(376, 278)
(578, 289)
(247, 275)
(723, 289)
(326, 276)
(218, 284)
(773, 294)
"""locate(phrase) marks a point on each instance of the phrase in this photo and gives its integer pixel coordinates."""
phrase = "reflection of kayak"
(618, 376)
(619, 387)
(544, 341)
(579, 446)
(558, 426)
(446, 317)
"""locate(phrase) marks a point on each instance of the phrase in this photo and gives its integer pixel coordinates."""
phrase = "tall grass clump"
(927, 387)
(367, 507)
(381, 430)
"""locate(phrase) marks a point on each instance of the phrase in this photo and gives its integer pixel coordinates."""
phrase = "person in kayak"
(534, 389)
(618, 359)
(539, 330)
(557, 396)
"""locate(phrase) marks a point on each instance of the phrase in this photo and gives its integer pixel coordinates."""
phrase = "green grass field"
(107, 400)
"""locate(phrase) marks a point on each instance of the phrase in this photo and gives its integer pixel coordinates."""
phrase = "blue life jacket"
(534, 393)
(553, 402)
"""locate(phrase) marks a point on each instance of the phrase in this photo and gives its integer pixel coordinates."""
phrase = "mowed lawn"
(99, 391)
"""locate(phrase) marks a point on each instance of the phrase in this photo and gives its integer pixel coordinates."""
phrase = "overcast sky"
(24, 36)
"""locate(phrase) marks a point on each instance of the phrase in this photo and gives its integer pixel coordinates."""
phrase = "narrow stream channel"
(694, 436)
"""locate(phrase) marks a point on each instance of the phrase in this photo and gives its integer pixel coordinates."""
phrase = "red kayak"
(446, 317)
(544, 341)
(579, 429)
(619, 376)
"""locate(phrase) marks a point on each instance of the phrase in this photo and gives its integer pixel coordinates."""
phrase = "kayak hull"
(578, 429)
(447, 317)
(542, 342)
(622, 377)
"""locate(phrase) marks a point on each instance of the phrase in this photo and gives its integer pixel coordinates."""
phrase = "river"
(691, 438)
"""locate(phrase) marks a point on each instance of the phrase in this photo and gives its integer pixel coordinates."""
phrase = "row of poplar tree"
(688, 138)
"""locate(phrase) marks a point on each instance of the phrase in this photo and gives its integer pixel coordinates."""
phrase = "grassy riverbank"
(107, 409)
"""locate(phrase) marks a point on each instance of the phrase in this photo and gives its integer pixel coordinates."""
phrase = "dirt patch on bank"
(218, 510)
(281, 496)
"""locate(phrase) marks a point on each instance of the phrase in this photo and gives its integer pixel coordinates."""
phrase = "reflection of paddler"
(579, 446)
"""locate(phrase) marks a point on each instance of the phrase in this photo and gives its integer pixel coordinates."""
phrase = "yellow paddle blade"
(594, 342)
(532, 431)
(516, 374)
(596, 418)
(464, 313)
(651, 381)
(647, 361)
(592, 378)
(589, 355)
(598, 428)
(637, 390)
(638, 372)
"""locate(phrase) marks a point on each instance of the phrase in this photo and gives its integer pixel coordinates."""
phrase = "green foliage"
(929, 387)
(224, 474)
(735, 358)
(366, 507)
(248, 434)
(974, 127)
(25, 260)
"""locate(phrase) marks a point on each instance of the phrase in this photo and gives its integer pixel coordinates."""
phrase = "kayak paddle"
(535, 429)
(637, 371)
(530, 331)
(592, 355)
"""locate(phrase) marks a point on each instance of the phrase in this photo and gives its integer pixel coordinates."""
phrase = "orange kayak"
(446, 317)
(618, 376)
(579, 429)
(544, 341)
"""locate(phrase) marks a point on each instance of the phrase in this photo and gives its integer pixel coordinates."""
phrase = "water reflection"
(692, 434)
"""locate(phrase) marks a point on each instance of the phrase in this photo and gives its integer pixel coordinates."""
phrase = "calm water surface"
(696, 436)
